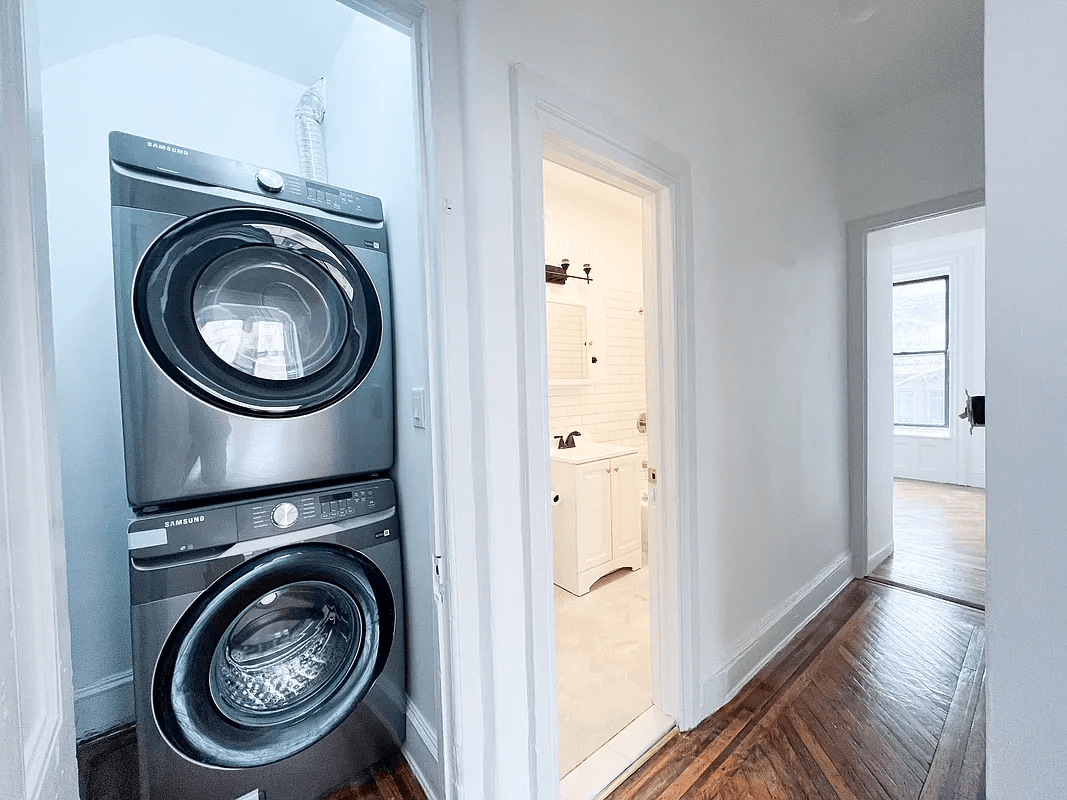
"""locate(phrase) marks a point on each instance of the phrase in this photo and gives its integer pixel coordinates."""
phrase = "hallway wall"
(769, 324)
(1026, 364)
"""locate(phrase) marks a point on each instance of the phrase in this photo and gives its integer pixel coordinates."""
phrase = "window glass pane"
(919, 316)
(919, 390)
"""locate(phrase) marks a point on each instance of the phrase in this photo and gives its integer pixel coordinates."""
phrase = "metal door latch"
(974, 412)
(651, 474)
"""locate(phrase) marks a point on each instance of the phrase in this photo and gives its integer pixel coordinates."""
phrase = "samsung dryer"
(254, 326)
(268, 644)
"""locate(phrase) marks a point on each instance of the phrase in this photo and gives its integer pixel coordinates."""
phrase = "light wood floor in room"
(939, 534)
(881, 696)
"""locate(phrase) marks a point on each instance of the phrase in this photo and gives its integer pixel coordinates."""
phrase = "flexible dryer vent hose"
(310, 112)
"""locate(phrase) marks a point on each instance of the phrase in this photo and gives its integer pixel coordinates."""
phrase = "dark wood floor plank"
(823, 761)
(947, 766)
(859, 706)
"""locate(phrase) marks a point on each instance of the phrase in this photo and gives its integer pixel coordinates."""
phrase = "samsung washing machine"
(268, 644)
(254, 326)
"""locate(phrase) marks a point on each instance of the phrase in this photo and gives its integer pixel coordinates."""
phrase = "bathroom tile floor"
(603, 673)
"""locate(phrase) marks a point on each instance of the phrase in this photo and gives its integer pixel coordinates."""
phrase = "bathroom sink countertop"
(584, 452)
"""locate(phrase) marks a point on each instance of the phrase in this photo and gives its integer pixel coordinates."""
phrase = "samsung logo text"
(183, 521)
(168, 148)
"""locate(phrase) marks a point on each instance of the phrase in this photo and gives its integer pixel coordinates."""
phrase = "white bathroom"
(595, 323)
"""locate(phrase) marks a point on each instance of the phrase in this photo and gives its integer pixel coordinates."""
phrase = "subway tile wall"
(607, 407)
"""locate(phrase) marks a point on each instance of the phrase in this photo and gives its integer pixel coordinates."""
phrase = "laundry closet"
(225, 80)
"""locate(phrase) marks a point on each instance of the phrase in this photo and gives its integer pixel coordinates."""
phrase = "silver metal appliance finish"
(181, 447)
(166, 579)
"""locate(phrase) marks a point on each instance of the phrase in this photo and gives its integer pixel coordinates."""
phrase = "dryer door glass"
(258, 312)
(273, 656)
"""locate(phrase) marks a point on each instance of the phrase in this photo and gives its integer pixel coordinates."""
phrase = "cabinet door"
(592, 494)
(625, 506)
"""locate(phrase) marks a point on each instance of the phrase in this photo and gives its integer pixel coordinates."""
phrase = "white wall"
(769, 334)
(220, 106)
(371, 147)
(930, 148)
(585, 218)
(1026, 363)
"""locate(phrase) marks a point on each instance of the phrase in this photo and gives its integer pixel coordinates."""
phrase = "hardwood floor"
(390, 782)
(881, 696)
(939, 533)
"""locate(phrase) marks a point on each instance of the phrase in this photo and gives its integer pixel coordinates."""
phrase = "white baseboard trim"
(103, 704)
(775, 630)
(420, 751)
(875, 559)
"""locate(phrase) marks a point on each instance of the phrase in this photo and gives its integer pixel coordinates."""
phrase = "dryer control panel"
(175, 161)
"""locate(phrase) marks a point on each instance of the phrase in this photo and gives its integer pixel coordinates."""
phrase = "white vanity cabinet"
(597, 520)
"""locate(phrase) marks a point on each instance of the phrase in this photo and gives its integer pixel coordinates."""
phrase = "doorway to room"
(594, 287)
(926, 357)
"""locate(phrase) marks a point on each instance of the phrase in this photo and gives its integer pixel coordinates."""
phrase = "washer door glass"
(284, 653)
(257, 311)
(273, 656)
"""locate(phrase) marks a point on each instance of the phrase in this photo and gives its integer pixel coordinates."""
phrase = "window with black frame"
(920, 353)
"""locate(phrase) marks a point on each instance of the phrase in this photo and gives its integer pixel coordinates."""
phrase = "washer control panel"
(285, 515)
(270, 515)
(350, 503)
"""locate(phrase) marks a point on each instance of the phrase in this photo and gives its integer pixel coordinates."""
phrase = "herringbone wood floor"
(939, 535)
(881, 696)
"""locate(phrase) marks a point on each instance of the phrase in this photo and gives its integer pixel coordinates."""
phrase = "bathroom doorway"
(594, 291)
(552, 124)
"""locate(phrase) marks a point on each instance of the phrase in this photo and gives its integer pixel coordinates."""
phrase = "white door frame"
(860, 470)
(36, 689)
(546, 118)
(465, 671)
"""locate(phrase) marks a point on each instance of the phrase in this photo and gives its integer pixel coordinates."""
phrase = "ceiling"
(908, 49)
(296, 40)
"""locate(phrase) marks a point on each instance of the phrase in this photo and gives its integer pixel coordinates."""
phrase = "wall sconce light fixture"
(559, 275)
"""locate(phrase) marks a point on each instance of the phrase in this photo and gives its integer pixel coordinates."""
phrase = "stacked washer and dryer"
(256, 369)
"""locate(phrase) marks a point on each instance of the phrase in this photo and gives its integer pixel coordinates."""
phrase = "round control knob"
(270, 181)
(285, 515)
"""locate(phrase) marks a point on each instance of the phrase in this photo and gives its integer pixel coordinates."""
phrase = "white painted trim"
(106, 684)
(774, 632)
(549, 121)
(420, 751)
(856, 265)
(459, 593)
(37, 738)
(880, 556)
(99, 704)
